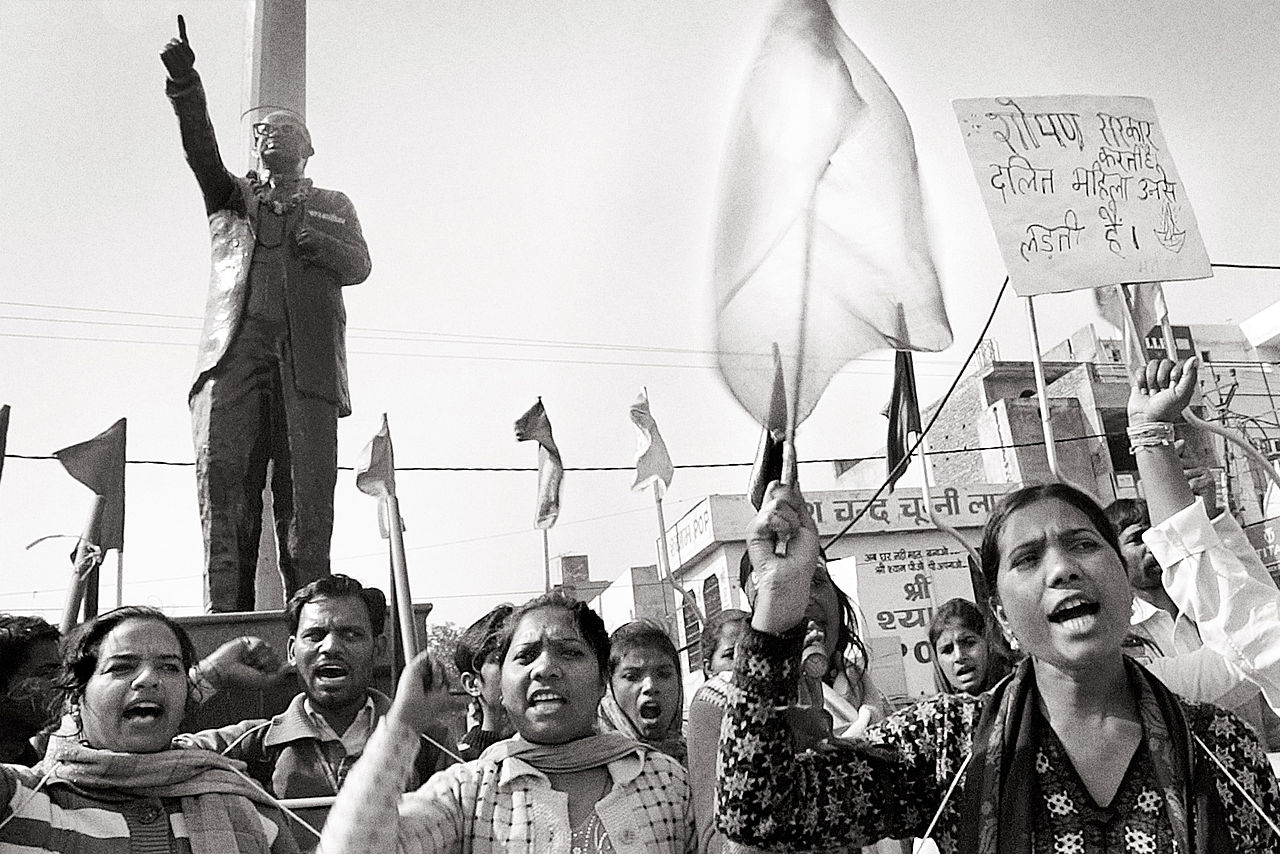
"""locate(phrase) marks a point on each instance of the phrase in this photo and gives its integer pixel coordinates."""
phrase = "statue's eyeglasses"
(262, 130)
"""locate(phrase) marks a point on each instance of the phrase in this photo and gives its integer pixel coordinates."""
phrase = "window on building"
(692, 632)
(711, 596)
(1114, 422)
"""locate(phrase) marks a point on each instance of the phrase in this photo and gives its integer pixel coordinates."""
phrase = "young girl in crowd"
(556, 786)
(965, 661)
(1081, 749)
(645, 699)
(719, 637)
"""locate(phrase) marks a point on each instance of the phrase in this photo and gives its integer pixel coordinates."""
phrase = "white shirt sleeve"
(1219, 583)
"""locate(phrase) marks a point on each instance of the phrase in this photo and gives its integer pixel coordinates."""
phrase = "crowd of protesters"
(1116, 693)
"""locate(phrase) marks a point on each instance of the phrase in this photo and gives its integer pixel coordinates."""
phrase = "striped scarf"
(217, 803)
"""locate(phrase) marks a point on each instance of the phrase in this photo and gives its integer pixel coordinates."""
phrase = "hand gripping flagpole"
(376, 476)
(87, 559)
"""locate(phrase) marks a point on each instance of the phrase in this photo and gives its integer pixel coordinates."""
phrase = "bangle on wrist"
(1153, 434)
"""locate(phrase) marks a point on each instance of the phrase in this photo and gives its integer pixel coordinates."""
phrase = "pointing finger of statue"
(182, 30)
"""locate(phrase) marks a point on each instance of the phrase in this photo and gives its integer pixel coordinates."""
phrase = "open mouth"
(143, 712)
(544, 699)
(331, 671)
(649, 711)
(1073, 609)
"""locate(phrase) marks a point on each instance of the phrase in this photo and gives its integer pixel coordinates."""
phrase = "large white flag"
(821, 246)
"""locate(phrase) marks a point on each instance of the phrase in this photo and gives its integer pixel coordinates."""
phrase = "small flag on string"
(535, 426)
(821, 246)
(376, 474)
(653, 463)
(904, 416)
(99, 465)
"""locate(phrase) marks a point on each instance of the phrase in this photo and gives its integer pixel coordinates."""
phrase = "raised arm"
(1236, 609)
(769, 794)
(370, 816)
(186, 93)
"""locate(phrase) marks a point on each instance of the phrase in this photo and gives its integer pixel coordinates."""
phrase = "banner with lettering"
(901, 580)
(1081, 191)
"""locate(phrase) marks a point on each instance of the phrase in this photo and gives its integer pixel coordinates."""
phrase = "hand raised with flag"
(782, 581)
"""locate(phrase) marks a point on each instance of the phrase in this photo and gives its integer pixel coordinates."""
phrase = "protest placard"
(1081, 191)
(902, 578)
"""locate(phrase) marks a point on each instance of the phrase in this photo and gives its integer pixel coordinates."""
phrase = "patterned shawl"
(1001, 787)
(217, 803)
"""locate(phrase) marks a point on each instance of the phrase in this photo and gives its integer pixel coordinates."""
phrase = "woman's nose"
(546, 665)
(1060, 567)
(147, 675)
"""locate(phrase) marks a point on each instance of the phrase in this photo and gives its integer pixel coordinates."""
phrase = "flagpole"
(119, 577)
(1166, 328)
(1046, 417)
(933, 514)
(664, 556)
(546, 561)
(400, 576)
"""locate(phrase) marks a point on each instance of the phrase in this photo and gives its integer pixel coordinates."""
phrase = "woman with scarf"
(109, 782)
(1081, 749)
(645, 699)
(558, 785)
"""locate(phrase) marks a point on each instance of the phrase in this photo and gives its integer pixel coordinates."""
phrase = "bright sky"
(536, 181)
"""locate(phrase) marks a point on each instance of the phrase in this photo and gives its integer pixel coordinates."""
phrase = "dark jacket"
(314, 311)
(285, 756)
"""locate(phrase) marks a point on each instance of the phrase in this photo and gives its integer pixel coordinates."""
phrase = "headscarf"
(218, 803)
(1005, 743)
(671, 742)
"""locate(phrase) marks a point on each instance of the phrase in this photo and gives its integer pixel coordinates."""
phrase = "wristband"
(1155, 434)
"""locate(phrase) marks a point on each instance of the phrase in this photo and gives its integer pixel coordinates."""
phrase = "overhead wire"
(933, 452)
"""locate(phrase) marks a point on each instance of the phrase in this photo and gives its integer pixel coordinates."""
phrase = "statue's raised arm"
(178, 57)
